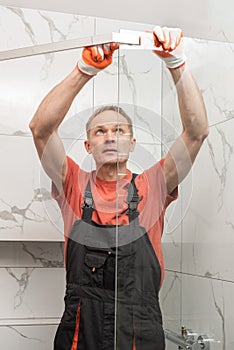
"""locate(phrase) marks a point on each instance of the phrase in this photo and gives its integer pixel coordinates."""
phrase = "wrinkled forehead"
(108, 118)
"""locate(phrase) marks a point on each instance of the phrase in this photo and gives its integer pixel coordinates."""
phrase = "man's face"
(109, 139)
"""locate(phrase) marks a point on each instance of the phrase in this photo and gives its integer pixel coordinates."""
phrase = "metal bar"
(131, 38)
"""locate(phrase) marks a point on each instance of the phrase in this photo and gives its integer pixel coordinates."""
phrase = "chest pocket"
(97, 265)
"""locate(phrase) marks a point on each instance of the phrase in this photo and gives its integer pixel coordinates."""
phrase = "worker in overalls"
(114, 219)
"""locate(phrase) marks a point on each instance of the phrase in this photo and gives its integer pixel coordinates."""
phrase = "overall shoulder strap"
(88, 206)
(132, 200)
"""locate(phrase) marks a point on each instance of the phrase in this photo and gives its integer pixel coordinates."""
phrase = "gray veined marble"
(22, 280)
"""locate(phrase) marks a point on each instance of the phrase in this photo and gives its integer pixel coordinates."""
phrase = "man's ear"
(87, 146)
(133, 143)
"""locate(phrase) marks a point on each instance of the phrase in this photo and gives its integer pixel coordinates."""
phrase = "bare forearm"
(192, 109)
(56, 104)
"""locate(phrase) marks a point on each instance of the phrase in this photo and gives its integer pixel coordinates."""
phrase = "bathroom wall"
(199, 251)
(197, 241)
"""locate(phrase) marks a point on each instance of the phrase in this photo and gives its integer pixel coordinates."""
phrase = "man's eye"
(99, 132)
(119, 131)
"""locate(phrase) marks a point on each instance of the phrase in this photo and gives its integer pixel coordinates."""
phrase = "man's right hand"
(96, 58)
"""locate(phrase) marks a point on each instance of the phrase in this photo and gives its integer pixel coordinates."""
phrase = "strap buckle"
(88, 200)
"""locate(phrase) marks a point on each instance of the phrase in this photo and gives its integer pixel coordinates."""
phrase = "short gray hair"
(109, 108)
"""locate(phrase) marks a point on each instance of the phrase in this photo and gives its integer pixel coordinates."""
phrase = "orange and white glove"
(96, 58)
(170, 46)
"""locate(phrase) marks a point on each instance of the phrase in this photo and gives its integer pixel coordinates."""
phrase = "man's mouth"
(110, 150)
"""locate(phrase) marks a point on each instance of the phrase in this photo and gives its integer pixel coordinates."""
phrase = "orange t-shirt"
(151, 190)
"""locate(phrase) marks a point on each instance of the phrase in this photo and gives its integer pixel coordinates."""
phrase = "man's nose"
(110, 136)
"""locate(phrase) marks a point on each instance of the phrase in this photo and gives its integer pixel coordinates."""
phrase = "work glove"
(96, 58)
(170, 47)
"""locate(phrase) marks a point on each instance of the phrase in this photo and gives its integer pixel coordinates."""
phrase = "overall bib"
(112, 286)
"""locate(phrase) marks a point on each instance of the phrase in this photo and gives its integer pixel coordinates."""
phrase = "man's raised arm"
(55, 105)
(182, 154)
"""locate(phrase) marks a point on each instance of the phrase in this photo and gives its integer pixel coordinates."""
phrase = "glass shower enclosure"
(198, 274)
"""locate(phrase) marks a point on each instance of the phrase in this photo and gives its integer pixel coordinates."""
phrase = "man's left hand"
(170, 46)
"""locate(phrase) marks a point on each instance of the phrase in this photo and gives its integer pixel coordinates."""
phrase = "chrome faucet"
(188, 340)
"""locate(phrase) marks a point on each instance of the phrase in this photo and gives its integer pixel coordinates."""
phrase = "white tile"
(39, 27)
(31, 292)
(207, 310)
(133, 79)
(31, 254)
(211, 63)
(25, 194)
(203, 305)
(26, 81)
(33, 79)
(28, 337)
(208, 225)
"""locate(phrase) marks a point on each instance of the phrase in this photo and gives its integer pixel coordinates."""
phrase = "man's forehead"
(108, 118)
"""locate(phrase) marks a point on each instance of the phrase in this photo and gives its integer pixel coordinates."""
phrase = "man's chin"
(113, 161)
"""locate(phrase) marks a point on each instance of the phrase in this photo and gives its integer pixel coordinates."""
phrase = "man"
(114, 219)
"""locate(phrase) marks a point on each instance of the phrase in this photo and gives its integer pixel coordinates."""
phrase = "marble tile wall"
(198, 237)
(32, 290)
(199, 252)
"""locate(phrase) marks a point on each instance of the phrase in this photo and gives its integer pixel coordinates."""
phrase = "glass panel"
(198, 252)
(137, 312)
(198, 235)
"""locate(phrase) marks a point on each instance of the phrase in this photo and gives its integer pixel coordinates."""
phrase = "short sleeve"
(174, 194)
(71, 178)
(157, 185)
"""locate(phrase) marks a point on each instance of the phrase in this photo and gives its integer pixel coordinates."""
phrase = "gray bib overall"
(112, 287)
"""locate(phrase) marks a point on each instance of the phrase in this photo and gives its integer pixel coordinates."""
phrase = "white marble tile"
(74, 125)
(31, 293)
(31, 254)
(38, 27)
(208, 238)
(211, 63)
(203, 305)
(140, 78)
(27, 337)
(133, 83)
(25, 197)
(175, 214)
(25, 81)
(207, 308)
(171, 243)
(133, 80)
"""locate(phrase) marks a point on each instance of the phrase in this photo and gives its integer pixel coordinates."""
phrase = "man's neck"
(112, 172)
